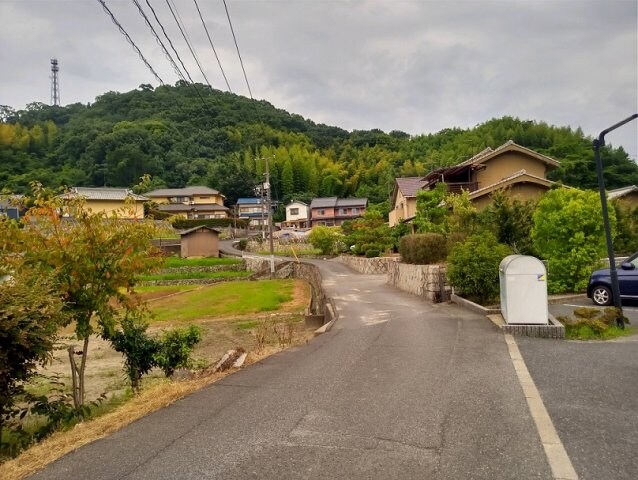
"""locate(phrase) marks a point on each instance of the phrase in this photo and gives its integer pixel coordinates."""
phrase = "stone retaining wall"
(368, 266)
(239, 267)
(421, 280)
(186, 281)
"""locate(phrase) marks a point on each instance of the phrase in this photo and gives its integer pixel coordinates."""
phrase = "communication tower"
(55, 86)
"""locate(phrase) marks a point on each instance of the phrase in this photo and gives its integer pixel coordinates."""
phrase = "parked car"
(599, 287)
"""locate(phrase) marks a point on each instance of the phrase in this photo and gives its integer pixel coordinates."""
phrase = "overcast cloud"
(416, 66)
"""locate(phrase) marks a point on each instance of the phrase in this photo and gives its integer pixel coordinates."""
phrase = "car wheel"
(601, 295)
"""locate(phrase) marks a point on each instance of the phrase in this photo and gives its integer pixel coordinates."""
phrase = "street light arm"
(601, 136)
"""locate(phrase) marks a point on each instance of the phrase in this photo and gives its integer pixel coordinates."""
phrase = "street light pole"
(615, 289)
(268, 205)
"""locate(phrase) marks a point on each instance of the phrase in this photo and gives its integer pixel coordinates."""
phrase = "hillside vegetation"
(168, 133)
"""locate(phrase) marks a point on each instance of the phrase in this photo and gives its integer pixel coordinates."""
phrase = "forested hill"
(180, 140)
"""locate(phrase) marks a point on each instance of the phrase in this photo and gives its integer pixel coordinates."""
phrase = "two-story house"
(296, 215)
(404, 199)
(191, 202)
(333, 211)
(121, 201)
(519, 171)
(253, 209)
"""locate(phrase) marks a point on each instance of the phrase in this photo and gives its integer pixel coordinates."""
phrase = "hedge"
(423, 248)
(183, 224)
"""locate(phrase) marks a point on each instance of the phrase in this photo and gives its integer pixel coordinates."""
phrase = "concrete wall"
(522, 191)
(421, 280)
(368, 266)
(506, 164)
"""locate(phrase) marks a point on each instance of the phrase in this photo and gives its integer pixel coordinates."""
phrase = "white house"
(296, 215)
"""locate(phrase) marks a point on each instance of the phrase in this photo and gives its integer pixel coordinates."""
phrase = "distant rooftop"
(103, 193)
(621, 192)
(182, 192)
(334, 202)
(409, 186)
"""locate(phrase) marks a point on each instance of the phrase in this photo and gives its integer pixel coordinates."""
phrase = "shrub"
(184, 224)
(593, 324)
(372, 253)
(423, 248)
(325, 239)
(473, 267)
(243, 243)
(568, 232)
(176, 348)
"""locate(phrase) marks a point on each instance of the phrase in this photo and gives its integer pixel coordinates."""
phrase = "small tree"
(325, 239)
(568, 232)
(175, 348)
(473, 267)
(626, 240)
(431, 211)
(94, 260)
(511, 221)
(369, 232)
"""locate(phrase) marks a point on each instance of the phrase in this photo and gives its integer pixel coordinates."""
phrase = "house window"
(342, 211)
(204, 198)
(355, 211)
(321, 212)
(180, 199)
(294, 211)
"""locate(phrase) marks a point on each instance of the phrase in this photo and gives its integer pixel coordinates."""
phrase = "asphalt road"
(398, 389)
(591, 393)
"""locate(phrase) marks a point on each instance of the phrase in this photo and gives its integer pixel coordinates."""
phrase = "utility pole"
(269, 206)
(55, 86)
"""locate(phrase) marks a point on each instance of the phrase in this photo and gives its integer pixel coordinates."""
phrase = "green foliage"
(176, 262)
(626, 239)
(473, 267)
(184, 224)
(568, 232)
(176, 347)
(325, 239)
(462, 219)
(372, 253)
(431, 210)
(137, 346)
(369, 232)
(512, 221)
(243, 243)
(29, 317)
(593, 324)
(423, 248)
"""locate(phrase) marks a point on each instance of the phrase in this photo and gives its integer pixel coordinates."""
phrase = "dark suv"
(599, 288)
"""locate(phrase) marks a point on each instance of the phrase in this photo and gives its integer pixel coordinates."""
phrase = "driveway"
(398, 389)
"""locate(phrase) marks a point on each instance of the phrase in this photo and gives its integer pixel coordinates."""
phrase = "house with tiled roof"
(121, 201)
(626, 195)
(404, 199)
(191, 202)
(519, 171)
(333, 211)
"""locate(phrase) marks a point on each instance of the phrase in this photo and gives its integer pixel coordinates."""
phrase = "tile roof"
(621, 192)
(199, 227)
(352, 202)
(409, 186)
(334, 202)
(103, 193)
(248, 201)
(182, 192)
(324, 202)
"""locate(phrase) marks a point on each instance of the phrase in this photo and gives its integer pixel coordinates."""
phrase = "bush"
(372, 253)
(423, 248)
(568, 232)
(176, 347)
(243, 243)
(325, 239)
(473, 267)
(593, 324)
(184, 224)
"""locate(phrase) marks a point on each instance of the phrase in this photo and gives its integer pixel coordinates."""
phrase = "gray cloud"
(417, 66)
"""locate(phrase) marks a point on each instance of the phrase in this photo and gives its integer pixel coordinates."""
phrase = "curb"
(475, 307)
(557, 299)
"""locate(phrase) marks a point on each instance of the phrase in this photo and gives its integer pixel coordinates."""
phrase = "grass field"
(193, 275)
(175, 262)
(225, 299)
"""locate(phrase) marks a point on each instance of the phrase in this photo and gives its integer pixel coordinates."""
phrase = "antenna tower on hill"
(55, 86)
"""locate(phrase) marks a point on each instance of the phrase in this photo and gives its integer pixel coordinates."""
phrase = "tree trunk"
(77, 375)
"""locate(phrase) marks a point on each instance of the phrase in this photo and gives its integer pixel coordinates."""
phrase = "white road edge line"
(559, 462)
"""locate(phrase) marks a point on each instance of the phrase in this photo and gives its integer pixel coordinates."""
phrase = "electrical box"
(523, 290)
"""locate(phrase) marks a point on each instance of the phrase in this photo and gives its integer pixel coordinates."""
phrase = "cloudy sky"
(416, 66)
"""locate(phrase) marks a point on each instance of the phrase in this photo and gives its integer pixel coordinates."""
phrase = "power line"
(159, 40)
(212, 46)
(237, 47)
(188, 43)
(130, 40)
(169, 40)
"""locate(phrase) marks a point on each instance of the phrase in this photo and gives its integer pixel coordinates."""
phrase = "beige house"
(404, 199)
(519, 171)
(190, 202)
(296, 215)
(200, 241)
(121, 201)
(625, 195)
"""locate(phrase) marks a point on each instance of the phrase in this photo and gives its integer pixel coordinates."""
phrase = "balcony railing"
(457, 187)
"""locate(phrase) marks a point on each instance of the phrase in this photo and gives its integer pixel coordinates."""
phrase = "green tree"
(568, 233)
(325, 239)
(431, 211)
(29, 318)
(94, 261)
(512, 221)
(369, 232)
